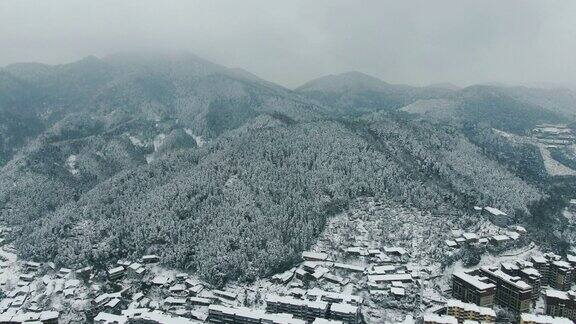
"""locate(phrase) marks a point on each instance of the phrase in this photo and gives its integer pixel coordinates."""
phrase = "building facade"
(473, 289)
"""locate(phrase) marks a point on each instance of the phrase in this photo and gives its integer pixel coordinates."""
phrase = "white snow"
(199, 139)
(71, 164)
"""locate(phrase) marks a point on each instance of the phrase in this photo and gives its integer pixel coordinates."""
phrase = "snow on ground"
(158, 140)
(199, 139)
(554, 167)
(9, 268)
(71, 164)
(136, 141)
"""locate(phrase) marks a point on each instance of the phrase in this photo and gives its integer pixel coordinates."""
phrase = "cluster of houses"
(380, 271)
(326, 287)
(553, 135)
(516, 286)
(499, 218)
(23, 300)
(30, 299)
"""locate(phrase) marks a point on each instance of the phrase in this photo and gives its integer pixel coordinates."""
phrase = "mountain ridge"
(231, 176)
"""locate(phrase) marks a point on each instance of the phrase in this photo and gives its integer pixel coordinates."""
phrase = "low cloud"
(290, 42)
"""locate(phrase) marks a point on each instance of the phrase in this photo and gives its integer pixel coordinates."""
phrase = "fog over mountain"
(415, 42)
(289, 163)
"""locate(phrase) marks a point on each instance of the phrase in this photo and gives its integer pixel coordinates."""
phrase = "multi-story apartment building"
(526, 318)
(511, 292)
(561, 275)
(532, 277)
(560, 303)
(473, 289)
(466, 311)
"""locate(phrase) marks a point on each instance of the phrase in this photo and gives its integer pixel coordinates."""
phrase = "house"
(345, 313)
(150, 258)
(349, 267)
(397, 284)
(64, 272)
(374, 252)
(178, 290)
(71, 283)
(199, 301)
(496, 216)
(284, 277)
(123, 263)
(225, 294)
(195, 290)
(113, 305)
(173, 301)
(335, 279)
(470, 237)
(314, 256)
(297, 292)
(319, 273)
(513, 235)
(357, 250)
(460, 241)
(181, 277)
(397, 291)
(116, 273)
(137, 296)
(136, 268)
(310, 266)
(499, 239)
(402, 277)
(31, 266)
(107, 318)
(161, 280)
(49, 317)
(451, 243)
(383, 269)
(398, 251)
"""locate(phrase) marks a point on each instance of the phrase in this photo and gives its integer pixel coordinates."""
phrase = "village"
(352, 275)
(553, 136)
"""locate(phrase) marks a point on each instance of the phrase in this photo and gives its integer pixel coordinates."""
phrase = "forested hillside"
(515, 110)
(113, 165)
(247, 204)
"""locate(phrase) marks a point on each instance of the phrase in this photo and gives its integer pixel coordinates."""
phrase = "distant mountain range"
(231, 176)
(513, 109)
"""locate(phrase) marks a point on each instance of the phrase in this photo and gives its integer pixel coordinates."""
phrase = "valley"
(347, 199)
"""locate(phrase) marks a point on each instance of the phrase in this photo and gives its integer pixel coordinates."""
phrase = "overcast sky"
(293, 41)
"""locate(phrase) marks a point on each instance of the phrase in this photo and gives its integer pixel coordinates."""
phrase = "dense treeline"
(247, 204)
(520, 157)
(108, 165)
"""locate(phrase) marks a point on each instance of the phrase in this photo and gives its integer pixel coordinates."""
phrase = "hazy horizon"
(413, 42)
